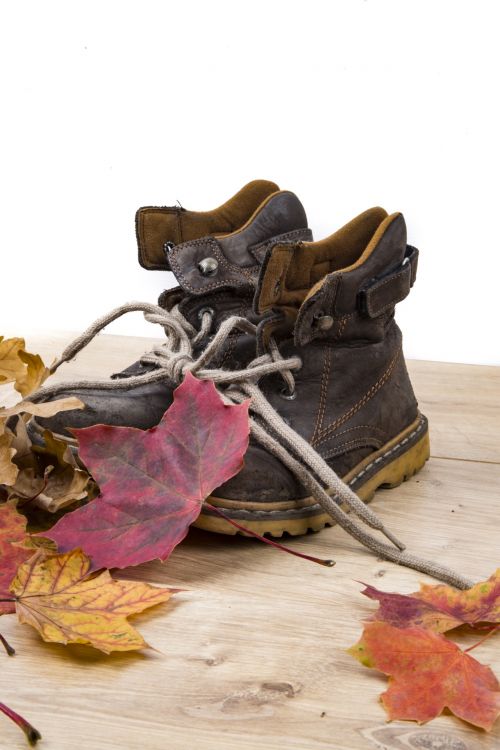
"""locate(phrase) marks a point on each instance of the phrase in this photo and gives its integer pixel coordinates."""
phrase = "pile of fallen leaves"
(128, 496)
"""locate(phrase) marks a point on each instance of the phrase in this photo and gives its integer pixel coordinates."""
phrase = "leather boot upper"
(332, 303)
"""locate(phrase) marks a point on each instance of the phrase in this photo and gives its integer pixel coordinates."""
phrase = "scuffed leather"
(382, 293)
(282, 216)
(350, 401)
(380, 276)
(239, 255)
(353, 392)
(141, 406)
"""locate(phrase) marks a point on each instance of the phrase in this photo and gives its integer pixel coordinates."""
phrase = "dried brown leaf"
(8, 469)
(11, 366)
(42, 410)
(66, 482)
(33, 375)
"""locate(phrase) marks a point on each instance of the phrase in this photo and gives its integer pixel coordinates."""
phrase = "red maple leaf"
(440, 607)
(428, 674)
(12, 553)
(153, 482)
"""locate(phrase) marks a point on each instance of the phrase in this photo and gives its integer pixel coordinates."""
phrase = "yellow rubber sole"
(392, 472)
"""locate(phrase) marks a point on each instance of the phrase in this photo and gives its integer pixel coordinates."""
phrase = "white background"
(106, 106)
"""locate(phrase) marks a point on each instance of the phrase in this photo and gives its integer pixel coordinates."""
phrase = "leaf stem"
(32, 734)
(10, 651)
(488, 635)
(31, 499)
(277, 545)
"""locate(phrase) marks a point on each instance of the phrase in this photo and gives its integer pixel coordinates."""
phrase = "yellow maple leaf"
(8, 470)
(27, 371)
(57, 596)
(11, 366)
(33, 375)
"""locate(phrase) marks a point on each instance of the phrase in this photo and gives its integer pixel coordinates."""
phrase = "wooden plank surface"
(252, 653)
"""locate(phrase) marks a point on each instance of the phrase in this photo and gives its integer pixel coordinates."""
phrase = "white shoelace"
(175, 357)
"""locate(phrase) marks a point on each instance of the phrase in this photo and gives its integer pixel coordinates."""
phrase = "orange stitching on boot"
(323, 393)
(342, 325)
(379, 286)
(388, 453)
(223, 262)
(360, 442)
(382, 432)
(326, 433)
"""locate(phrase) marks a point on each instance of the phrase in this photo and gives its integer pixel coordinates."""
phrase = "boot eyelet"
(288, 395)
(208, 266)
(203, 310)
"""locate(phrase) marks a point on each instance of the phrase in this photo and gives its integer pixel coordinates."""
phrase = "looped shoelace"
(175, 357)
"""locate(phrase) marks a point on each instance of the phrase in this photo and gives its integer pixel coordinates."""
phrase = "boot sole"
(394, 463)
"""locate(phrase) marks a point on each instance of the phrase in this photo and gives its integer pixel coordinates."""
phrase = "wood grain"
(252, 653)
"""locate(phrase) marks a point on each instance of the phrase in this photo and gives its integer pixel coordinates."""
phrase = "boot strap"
(384, 292)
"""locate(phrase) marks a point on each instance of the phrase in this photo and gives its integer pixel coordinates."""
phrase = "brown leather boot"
(216, 258)
(257, 213)
(333, 303)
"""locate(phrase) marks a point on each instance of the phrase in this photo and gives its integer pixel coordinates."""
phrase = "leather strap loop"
(384, 292)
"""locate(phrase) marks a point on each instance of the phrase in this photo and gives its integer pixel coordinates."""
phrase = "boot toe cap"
(262, 479)
(141, 407)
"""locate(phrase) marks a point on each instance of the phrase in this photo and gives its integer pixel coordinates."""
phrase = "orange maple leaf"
(12, 553)
(428, 673)
(440, 608)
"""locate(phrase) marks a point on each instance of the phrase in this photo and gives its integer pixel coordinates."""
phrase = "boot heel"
(397, 471)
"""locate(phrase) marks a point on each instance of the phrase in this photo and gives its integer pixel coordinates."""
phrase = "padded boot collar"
(351, 301)
(233, 260)
(157, 225)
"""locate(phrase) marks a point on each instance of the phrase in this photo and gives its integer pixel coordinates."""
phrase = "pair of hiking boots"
(312, 323)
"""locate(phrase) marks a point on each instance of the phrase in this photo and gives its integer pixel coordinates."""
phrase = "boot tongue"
(234, 260)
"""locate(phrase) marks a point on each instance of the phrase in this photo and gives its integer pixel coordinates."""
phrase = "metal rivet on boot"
(167, 247)
(208, 266)
(323, 322)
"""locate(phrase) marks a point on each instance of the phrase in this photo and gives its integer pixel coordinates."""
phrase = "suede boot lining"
(303, 268)
(157, 225)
